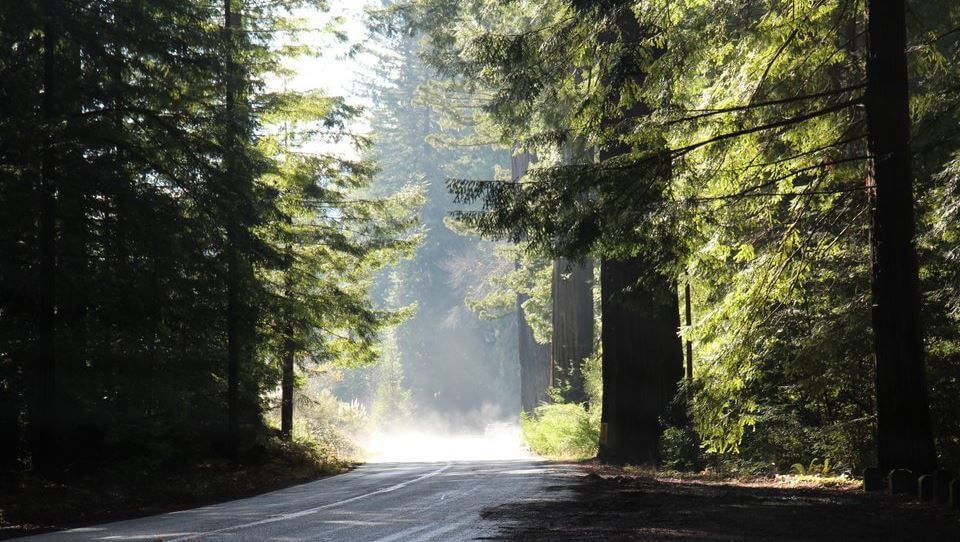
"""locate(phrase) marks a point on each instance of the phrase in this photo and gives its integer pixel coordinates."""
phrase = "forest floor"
(609, 503)
(31, 505)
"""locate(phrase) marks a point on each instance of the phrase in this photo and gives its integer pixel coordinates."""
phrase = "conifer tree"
(139, 234)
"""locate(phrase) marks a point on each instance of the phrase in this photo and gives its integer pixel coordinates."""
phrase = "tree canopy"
(733, 144)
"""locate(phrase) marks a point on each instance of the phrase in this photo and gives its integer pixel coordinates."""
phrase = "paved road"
(404, 502)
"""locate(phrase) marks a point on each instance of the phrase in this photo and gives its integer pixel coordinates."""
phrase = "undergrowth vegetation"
(568, 431)
(324, 424)
(562, 431)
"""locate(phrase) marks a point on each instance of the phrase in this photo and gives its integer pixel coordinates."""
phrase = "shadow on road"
(645, 508)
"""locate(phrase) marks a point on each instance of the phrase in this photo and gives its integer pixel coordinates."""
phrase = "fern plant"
(815, 468)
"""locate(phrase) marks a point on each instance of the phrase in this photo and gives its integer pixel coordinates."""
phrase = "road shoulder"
(614, 504)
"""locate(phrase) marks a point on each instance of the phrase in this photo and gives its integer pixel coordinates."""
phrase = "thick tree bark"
(572, 326)
(904, 435)
(536, 372)
(642, 361)
(642, 349)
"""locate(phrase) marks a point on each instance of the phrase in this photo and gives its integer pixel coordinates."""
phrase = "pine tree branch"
(764, 127)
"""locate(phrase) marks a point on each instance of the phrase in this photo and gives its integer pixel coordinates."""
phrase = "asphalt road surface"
(384, 502)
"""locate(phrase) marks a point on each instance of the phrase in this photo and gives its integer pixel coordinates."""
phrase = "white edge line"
(309, 511)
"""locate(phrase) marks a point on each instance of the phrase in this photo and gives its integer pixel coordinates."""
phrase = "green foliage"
(751, 111)
(326, 425)
(562, 431)
(941, 280)
(593, 378)
(529, 279)
(185, 224)
(333, 239)
(680, 449)
(392, 401)
(815, 468)
(566, 430)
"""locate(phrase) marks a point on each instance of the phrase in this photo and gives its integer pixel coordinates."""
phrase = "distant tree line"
(444, 361)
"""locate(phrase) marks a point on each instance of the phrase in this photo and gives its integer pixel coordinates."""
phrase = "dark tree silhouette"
(904, 435)
(572, 293)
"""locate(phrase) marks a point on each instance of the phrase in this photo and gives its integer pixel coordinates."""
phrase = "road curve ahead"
(386, 502)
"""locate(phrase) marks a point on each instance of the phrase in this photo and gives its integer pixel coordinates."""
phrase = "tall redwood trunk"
(286, 385)
(904, 435)
(43, 404)
(572, 304)
(74, 186)
(642, 361)
(234, 347)
(536, 372)
(572, 326)
(642, 349)
(288, 360)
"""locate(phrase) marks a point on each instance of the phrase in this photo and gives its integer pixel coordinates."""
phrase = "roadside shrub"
(567, 430)
(680, 449)
(562, 431)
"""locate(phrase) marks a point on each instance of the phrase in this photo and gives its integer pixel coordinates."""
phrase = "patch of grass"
(30, 504)
(819, 480)
(711, 477)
